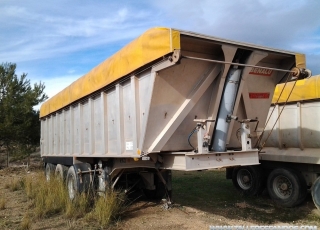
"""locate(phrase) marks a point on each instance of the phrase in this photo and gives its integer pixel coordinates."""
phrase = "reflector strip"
(259, 95)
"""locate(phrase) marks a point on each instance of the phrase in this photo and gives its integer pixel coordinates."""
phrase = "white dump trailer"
(290, 157)
(169, 100)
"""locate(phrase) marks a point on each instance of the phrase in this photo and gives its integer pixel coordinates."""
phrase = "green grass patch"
(211, 192)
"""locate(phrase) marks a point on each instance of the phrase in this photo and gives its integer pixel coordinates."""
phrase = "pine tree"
(19, 122)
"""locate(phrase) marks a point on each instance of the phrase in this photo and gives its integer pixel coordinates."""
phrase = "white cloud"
(55, 84)
(37, 34)
(32, 31)
(286, 24)
(71, 71)
(123, 13)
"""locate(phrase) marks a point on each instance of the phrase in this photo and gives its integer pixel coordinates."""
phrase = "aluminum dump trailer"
(169, 100)
(290, 157)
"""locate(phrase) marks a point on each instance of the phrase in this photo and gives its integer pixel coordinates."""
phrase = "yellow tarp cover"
(306, 89)
(300, 60)
(150, 46)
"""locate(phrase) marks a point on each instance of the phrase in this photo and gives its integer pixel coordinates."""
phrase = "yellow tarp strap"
(151, 45)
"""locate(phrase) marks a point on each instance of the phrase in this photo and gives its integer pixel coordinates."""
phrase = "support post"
(226, 108)
(245, 137)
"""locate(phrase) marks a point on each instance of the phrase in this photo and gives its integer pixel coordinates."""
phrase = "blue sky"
(58, 41)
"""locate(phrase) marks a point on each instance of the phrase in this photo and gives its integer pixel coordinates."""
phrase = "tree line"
(19, 121)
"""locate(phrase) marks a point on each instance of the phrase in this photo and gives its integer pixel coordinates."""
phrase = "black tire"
(286, 187)
(249, 179)
(72, 183)
(303, 188)
(49, 171)
(61, 172)
(315, 192)
(78, 184)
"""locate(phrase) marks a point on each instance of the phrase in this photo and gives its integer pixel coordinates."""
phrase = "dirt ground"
(144, 214)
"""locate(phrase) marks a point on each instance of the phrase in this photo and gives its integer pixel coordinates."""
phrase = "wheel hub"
(246, 179)
(284, 186)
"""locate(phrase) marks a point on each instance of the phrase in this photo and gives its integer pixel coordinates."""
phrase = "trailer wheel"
(49, 170)
(286, 187)
(248, 179)
(72, 183)
(61, 172)
(78, 183)
(315, 192)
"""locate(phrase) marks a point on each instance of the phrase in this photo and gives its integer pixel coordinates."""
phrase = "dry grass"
(108, 208)
(15, 185)
(7, 185)
(79, 207)
(72, 225)
(51, 197)
(26, 222)
(2, 203)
